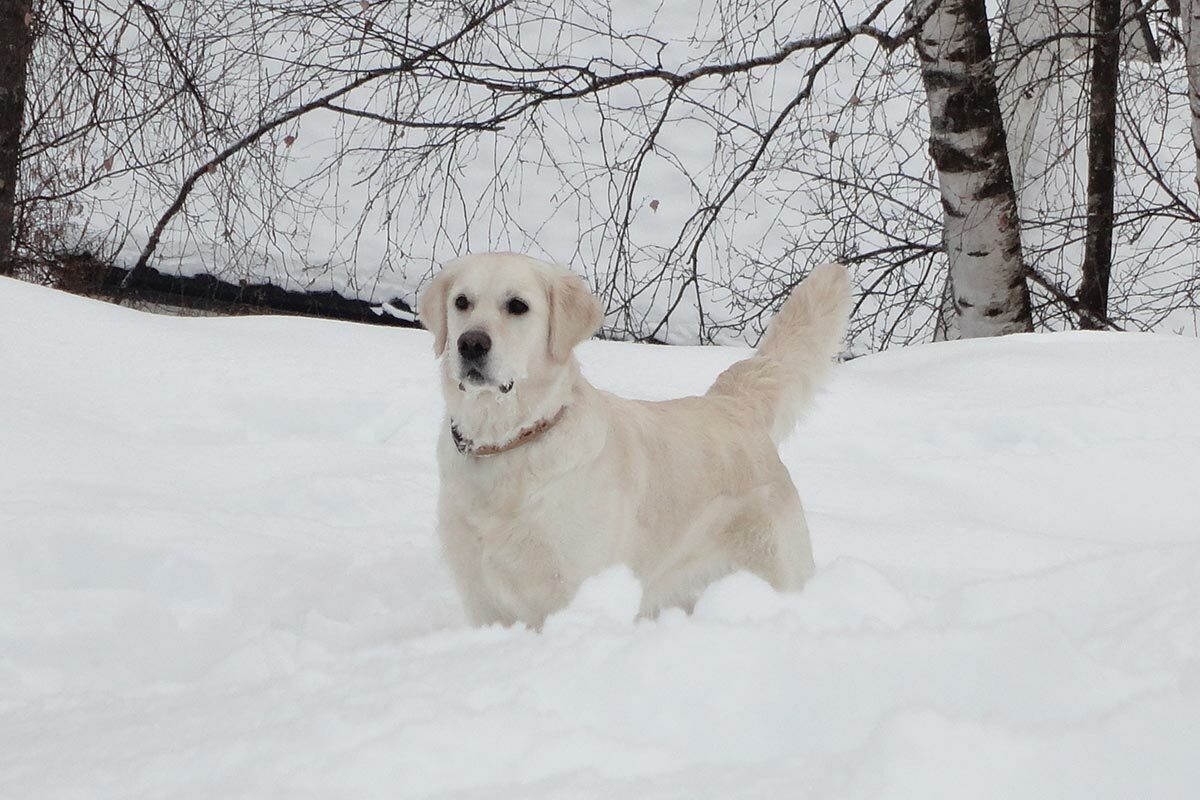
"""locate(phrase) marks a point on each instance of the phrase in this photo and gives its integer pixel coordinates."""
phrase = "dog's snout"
(474, 345)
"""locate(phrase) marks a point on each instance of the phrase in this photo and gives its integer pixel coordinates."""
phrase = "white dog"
(546, 480)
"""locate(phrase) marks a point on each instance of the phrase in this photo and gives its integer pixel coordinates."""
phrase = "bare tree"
(1101, 154)
(16, 39)
(421, 101)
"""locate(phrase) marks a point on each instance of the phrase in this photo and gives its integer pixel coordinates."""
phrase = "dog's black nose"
(474, 345)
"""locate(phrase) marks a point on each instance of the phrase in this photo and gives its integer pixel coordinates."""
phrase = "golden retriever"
(546, 480)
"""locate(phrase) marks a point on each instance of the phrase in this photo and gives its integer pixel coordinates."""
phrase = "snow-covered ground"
(218, 578)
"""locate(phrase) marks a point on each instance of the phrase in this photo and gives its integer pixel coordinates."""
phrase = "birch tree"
(1190, 19)
(986, 292)
(1037, 43)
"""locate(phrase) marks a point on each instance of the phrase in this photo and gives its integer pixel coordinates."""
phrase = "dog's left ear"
(575, 314)
(431, 309)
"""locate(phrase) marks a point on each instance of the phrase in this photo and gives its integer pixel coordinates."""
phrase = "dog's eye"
(517, 306)
(462, 303)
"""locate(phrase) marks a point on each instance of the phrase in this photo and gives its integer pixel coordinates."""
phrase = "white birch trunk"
(1191, 41)
(987, 293)
(1032, 60)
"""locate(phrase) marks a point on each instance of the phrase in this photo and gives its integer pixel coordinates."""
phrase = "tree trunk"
(1102, 146)
(987, 293)
(16, 41)
(1190, 18)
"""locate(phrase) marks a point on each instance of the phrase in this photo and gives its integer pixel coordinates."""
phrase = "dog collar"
(524, 436)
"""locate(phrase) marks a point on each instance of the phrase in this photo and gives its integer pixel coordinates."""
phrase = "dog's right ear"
(431, 309)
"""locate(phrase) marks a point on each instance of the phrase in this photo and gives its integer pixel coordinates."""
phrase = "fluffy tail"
(795, 354)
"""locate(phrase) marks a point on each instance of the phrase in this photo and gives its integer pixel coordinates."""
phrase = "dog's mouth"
(474, 377)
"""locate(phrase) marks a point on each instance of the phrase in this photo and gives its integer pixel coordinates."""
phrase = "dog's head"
(501, 319)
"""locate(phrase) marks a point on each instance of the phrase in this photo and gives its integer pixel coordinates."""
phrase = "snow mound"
(218, 578)
(609, 599)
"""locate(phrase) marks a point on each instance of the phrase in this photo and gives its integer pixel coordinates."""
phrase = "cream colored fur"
(682, 491)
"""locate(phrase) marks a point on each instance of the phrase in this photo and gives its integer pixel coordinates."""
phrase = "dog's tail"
(795, 353)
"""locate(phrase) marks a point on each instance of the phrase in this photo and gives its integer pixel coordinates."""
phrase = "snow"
(218, 578)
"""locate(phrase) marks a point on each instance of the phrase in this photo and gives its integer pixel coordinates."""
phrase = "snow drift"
(218, 579)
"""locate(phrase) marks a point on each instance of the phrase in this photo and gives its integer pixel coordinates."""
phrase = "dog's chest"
(523, 542)
(522, 518)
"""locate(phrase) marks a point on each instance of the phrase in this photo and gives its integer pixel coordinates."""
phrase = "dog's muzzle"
(473, 348)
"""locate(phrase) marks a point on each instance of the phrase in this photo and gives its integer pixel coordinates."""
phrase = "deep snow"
(218, 578)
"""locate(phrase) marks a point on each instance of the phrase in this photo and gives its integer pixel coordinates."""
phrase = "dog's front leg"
(525, 579)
